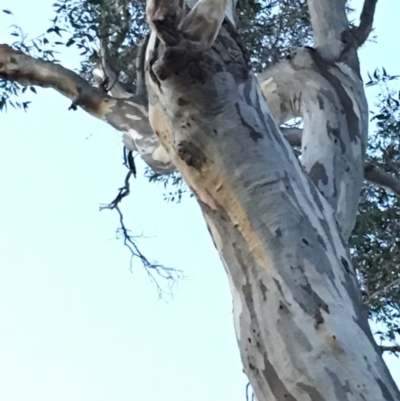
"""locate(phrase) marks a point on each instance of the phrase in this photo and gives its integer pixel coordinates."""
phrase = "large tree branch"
(330, 99)
(129, 116)
(65, 81)
(364, 29)
(377, 176)
(329, 21)
(332, 36)
(372, 173)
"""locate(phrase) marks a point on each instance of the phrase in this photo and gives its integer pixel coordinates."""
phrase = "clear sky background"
(75, 323)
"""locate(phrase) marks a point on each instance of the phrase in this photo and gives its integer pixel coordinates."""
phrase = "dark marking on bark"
(276, 385)
(283, 308)
(320, 102)
(314, 394)
(278, 285)
(316, 196)
(318, 319)
(342, 391)
(318, 173)
(278, 232)
(335, 134)
(191, 154)
(305, 242)
(322, 242)
(385, 391)
(247, 91)
(182, 102)
(254, 135)
(346, 265)
(263, 289)
(353, 123)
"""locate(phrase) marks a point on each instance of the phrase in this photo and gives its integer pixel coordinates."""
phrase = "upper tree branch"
(362, 32)
(329, 21)
(129, 116)
(26, 70)
(372, 173)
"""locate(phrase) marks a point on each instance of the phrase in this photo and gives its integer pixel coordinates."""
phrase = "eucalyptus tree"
(280, 223)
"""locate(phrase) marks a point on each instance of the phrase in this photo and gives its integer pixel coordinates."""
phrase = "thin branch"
(154, 270)
(383, 290)
(390, 348)
(379, 177)
(362, 32)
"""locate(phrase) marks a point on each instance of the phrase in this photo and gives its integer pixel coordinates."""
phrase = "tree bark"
(300, 324)
(280, 227)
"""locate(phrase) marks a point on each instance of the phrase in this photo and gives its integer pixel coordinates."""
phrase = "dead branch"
(154, 270)
(362, 32)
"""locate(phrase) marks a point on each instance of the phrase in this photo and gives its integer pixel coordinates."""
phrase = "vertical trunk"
(301, 329)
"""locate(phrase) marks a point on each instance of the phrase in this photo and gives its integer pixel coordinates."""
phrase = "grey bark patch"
(320, 102)
(346, 265)
(314, 394)
(318, 173)
(254, 135)
(278, 285)
(342, 391)
(276, 385)
(385, 391)
(353, 123)
(318, 319)
(182, 102)
(322, 242)
(263, 289)
(191, 154)
(335, 134)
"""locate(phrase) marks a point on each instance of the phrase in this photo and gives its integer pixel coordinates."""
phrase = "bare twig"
(362, 32)
(383, 290)
(154, 270)
(250, 396)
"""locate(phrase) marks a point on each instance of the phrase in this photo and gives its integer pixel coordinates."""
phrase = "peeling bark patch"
(314, 394)
(278, 285)
(191, 155)
(263, 289)
(342, 391)
(335, 133)
(353, 123)
(385, 391)
(320, 102)
(322, 242)
(276, 385)
(254, 135)
(346, 265)
(182, 102)
(318, 319)
(318, 173)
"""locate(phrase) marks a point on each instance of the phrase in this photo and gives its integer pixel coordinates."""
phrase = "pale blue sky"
(76, 325)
